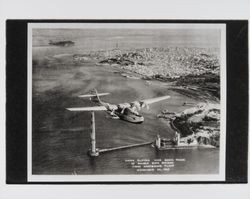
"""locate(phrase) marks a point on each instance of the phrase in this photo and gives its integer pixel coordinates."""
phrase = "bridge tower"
(93, 151)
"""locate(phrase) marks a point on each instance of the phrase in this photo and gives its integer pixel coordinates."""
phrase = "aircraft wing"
(143, 103)
(93, 95)
(93, 108)
(156, 99)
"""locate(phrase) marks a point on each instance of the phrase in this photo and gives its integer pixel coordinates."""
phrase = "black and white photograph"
(126, 101)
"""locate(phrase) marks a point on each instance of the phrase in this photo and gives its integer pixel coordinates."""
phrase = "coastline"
(191, 71)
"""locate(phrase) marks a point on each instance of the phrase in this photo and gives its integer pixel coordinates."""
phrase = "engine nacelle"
(124, 105)
(112, 107)
(144, 105)
(136, 104)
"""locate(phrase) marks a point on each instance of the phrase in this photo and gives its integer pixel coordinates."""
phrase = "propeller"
(112, 112)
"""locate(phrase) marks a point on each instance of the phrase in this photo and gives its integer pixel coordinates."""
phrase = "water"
(60, 139)
(107, 39)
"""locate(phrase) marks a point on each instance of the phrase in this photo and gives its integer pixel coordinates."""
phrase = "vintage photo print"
(126, 102)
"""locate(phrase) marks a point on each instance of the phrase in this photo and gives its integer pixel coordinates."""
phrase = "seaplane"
(124, 111)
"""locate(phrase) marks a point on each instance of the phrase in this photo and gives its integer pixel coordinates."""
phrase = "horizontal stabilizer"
(94, 108)
(94, 95)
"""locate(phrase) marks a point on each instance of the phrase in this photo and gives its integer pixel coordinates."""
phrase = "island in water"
(62, 43)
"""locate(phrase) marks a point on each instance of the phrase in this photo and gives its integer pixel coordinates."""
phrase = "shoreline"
(193, 71)
(198, 124)
(187, 90)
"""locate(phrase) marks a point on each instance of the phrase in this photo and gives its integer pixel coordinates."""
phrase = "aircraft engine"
(112, 107)
(136, 104)
(124, 105)
(144, 105)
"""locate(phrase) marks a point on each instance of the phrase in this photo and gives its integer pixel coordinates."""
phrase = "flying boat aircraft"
(124, 111)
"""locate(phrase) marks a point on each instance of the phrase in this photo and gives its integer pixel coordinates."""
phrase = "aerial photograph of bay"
(131, 100)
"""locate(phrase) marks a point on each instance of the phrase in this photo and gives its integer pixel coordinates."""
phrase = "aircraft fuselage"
(130, 117)
(126, 114)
